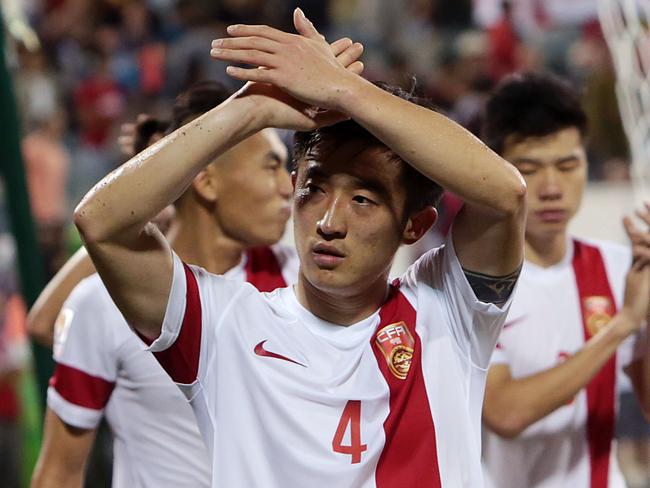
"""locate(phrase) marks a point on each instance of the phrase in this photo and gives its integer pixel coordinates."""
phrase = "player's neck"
(547, 250)
(199, 240)
(343, 308)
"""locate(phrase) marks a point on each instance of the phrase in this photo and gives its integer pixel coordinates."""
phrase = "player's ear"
(206, 184)
(418, 224)
(294, 175)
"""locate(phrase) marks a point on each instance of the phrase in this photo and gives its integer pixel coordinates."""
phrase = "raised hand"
(303, 65)
(637, 284)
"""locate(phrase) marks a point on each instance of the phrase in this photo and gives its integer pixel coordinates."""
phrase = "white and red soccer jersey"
(283, 398)
(573, 446)
(102, 370)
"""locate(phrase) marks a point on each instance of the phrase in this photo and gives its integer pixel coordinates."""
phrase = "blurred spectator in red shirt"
(504, 44)
(99, 103)
(14, 356)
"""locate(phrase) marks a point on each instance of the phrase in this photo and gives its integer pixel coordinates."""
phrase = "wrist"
(256, 109)
(626, 322)
(348, 91)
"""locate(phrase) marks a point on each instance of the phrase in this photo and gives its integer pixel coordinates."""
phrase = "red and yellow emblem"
(396, 343)
(598, 311)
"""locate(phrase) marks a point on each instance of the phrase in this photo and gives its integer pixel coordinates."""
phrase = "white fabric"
(156, 440)
(545, 325)
(271, 423)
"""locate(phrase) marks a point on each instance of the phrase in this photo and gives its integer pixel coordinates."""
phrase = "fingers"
(257, 75)
(126, 139)
(340, 46)
(247, 56)
(351, 54)
(328, 117)
(304, 27)
(644, 214)
(128, 129)
(264, 31)
(356, 67)
(640, 257)
(252, 42)
(640, 239)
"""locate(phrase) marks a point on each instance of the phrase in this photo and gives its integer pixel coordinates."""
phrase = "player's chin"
(271, 233)
(325, 277)
(547, 230)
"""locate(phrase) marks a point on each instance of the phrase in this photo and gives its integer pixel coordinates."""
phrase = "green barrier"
(30, 264)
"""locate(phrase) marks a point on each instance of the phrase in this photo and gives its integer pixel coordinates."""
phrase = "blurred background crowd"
(91, 65)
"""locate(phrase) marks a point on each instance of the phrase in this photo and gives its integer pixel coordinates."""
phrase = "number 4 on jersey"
(351, 416)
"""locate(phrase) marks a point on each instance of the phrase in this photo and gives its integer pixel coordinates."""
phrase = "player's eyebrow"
(275, 156)
(367, 183)
(373, 185)
(314, 172)
(566, 159)
(524, 160)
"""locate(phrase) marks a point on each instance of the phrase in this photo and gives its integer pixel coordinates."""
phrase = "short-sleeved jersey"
(544, 327)
(102, 370)
(284, 398)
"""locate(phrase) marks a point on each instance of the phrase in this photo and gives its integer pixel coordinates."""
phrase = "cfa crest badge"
(598, 310)
(61, 327)
(396, 343)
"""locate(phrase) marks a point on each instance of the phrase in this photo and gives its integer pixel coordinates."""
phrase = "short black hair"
(421, 192)
(531, 105)
(145, 130)
(200, 98)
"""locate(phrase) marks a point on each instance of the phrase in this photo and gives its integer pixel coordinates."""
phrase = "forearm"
(56, 477)
(63, 456)
(436, 146)
(517, 403)
(639, 374)
(42, 316)
(120, 205)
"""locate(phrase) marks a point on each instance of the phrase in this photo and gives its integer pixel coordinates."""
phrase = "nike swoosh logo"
(514, 322)
(260, 351)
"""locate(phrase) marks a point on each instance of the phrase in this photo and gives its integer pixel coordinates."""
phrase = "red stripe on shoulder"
(80, 388)
(181, 360)
(263, 270)
(409, 457)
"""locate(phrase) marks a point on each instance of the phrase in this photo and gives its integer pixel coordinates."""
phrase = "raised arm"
(132, 257)
(639, 370)
(42, 316)
(488, 234)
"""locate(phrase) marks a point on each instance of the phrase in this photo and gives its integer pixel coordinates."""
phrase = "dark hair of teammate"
(145, 130)
(530, 105)
(421, 192)
(195, 101)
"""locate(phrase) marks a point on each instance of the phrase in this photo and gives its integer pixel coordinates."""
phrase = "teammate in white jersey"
(342, 380)
(101, 368)
(550, 404)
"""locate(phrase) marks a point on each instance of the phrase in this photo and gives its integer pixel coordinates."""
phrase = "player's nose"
(333, 223)
(550, 187)
(285, 187)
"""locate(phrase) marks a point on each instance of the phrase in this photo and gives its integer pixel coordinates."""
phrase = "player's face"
(348, 208)
(555, 170)
(254, 190)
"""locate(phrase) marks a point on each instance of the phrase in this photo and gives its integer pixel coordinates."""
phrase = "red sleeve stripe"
(181, 360)
(80, 388)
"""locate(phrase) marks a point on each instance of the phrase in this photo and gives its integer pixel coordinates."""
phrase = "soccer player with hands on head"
(344, 379)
